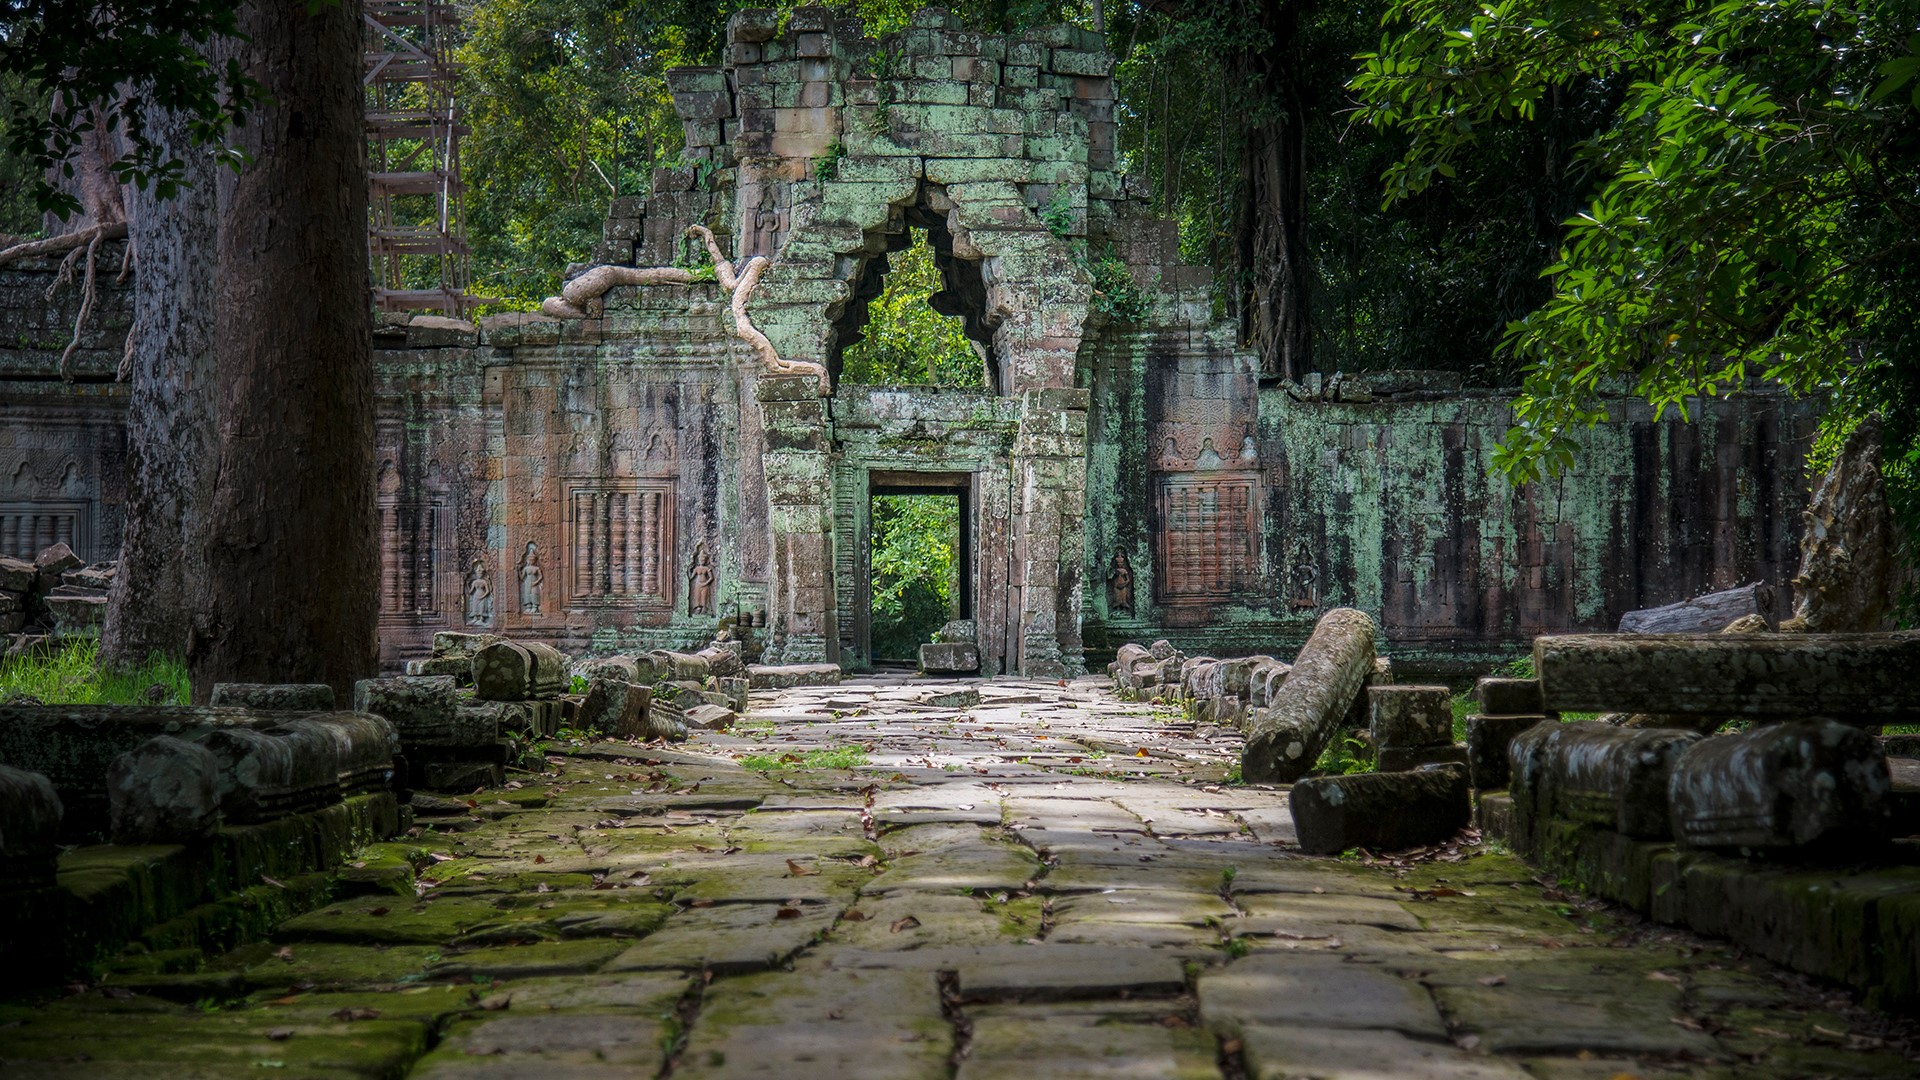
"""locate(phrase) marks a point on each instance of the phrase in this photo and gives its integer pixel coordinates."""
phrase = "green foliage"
(1058, 215)
(1114, 293)
(827, 165)
(905, 341)
(73, 676)
(844, 757)
(1343, 757)
(1753, 211)
(916, 541)
(58, 57)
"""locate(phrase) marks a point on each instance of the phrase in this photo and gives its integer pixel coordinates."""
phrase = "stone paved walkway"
(1045, 884)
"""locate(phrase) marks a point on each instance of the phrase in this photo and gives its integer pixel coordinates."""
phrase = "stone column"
(803, 625)
(1050, 474)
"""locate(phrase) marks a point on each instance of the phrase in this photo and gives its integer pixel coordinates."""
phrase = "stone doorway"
(919, 561)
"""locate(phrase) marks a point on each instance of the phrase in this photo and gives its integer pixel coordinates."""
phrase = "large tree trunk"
(1273, 210)
(289, 594)
(92, 180)
(171, 413)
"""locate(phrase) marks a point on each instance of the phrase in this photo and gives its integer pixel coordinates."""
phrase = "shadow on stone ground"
(1047, 883)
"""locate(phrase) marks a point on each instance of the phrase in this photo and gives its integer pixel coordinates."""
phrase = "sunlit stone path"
(900, 879)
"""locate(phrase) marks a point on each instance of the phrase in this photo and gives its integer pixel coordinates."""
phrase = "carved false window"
(1207, 542)
(620, 544)
(28, 527)
(411, 540)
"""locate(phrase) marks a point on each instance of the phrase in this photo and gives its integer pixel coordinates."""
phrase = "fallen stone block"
(77, 613)
(616, 706)
(1402, 716)
(1813, 788)
(723, 658)
(961, 697)
(1702, 614)
(950, 658)
(781, 676)
(17, 576)
(1488, 741)
(1854, 678)
(164, 791)
(959, 630)
(421, 709)
(678, 666)
(735, 687)
(30, 814)
(1265, 681)
(55, 560)
(366, 748)
(1381, 811)
(275, 697)
(93, 579)
(1408, 758)
(1285, 739)
(460, 667)
(268, 774)
(461, 644)
(1508, 697)
(710, 717)
(1594, 773)
(519, 671)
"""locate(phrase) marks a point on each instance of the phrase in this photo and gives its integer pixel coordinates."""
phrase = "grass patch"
(72, 676)
(1344, 756)
(845, 757)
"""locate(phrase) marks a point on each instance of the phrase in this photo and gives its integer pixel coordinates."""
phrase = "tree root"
(582, 295)
(81, 243)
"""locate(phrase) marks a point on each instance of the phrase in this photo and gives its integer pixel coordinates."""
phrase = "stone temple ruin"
(636, 478)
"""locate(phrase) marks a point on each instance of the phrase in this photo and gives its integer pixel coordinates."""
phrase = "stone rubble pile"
(56, 595)
(1291, 712)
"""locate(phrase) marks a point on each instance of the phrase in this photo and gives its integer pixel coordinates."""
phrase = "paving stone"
(1316, 992)
(1568, 1005)
(987, 866)
(728, 938)
(644, 992)
(1064, 972)
(884, 1025)
(1289, 1053)
(629, 1038)
(528, 961)
(1046, 1044)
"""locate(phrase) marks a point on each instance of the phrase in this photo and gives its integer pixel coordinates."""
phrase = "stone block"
(1075, 62)
(781, 676)
(1380, 811)
(421, 709)
(30, 814)
(1595, 773)
(366, 747)
(463, 776)
(78, 613)
(56, 559)
(710, 717)
(165, 791)
(1815, 788)
(17, 575)
(1408, 716)
(950, 658)
(1488, 740)
(275, 697)
(267, 774)
(1408, 758)
(519, 671)
(1508, 697)
(679, 666)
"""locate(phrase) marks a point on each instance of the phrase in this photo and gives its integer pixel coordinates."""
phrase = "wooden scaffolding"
(416, 227)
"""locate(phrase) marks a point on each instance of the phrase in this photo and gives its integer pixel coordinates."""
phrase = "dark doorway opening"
(921, 565)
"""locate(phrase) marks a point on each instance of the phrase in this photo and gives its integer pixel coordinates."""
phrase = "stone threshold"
(201, 898)
(1853, 924)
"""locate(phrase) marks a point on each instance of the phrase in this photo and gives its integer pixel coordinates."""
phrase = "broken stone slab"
(1702, 614)
(1403, 716)
(30, 813)
(1809, 788)
(679, 666)
(1408, 758)
(460, 667)
(1265, 681)
(723, 658)
(1854, 678)
(458, 643)
(735, 687)
(519, 671)
(1488, 741)
(422, 710)
(54, 560)
(1381, 811)
(782, 676)
(710, 717)
(616, 706)
(17, 576)
(275, 697)
(963, 697)
(950, 658)
(1594, 773)
(94, 579)
(266, 774)
(1315, 993)
(164, 791)
(1286, 739)
(1508, 697)
(76, 613)
(365, 747)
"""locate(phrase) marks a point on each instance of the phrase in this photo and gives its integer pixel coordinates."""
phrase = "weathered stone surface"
(77, 613)
(266, 774)
(1861, 678)
(723, 658)
(1706, 614)
(710, 717)
(616, 706)
(679, 666)
(1822, 789)
(1488, 741)
(165, 791)
(950, 658)
(781, 676)
(421, 709)
(17, 576)
(275, 697)
(1596, 773)
(30, 814)
(1284, 741)
(56, 559)
(1315, 993)
(1508, 697)
(1405, 758)
(366, 747)
(1287, 1053)
(1402, 716)
(1383, 811)
(519, 671)
(1845, 579)
(462, 776)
